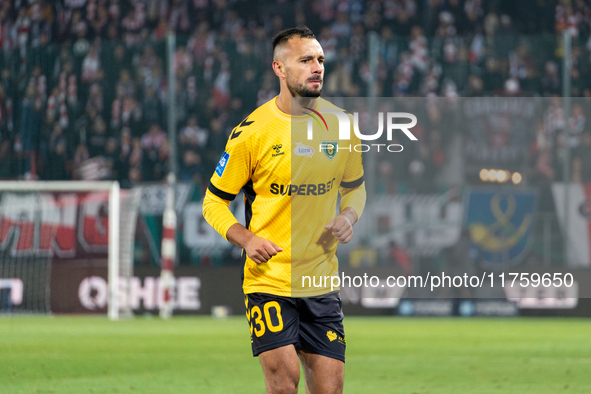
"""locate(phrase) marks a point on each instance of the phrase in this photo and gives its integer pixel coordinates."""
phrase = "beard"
(302, 91)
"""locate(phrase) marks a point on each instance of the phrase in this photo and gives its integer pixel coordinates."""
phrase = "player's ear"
(279, 68)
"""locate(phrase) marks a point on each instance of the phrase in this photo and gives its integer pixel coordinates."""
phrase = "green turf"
(384, 355)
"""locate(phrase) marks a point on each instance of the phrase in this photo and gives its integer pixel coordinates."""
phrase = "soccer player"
(291, 183)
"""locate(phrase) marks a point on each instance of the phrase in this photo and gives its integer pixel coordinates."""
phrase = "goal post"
(33, 212)
(113, 259)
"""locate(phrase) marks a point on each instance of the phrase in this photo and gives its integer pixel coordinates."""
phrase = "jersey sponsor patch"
(303, 150)
(219, 169)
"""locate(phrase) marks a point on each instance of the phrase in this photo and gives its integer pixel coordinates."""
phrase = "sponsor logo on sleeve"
(222, 164)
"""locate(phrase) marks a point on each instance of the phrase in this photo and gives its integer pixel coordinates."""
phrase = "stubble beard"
(302, 91)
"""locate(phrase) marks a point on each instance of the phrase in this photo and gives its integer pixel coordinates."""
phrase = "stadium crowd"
(83, 87)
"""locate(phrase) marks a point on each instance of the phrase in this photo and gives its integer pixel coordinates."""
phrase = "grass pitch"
(384, 355)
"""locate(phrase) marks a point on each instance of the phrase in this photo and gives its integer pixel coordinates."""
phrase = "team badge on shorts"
(329, 148)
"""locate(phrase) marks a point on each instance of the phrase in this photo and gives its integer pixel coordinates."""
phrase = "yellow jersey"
(291, 185)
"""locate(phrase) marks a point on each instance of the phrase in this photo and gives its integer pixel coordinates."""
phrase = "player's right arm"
(217, 213)
(258, 249)
(231, 174)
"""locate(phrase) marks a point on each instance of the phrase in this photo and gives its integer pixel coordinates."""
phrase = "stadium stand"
(83, 86)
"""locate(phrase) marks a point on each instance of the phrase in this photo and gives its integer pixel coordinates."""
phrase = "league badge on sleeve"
(219, 169)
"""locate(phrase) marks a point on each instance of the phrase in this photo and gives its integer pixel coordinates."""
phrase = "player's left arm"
(352, 204)
(353, 196)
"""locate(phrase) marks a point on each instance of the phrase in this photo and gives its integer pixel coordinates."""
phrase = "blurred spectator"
(114, 60)
(161, 167)
(112, 157)
(152, 142)
(357, 43)
(512, 88)
(582, 160)
(494, 76)
(403, 75)
(98, 19)
(125, 84)
(178, 15)
(201, 43)
(80, 156)
(6, 121)
(245, 89)
(216, 142)
(191, 164)
(521, 65)
(389, 47)
(576, 124)
(136, 155)
(266, 92)
(181, 102)
(132, 24)
(194, 136)
(506, 37)
(398, 256)
(97, 138)
(58, 154)
(151, 107)
(339, 82)
(341, 26)
(550, 79)
(385, 181)
(122, 159)
(90, 66)
(125, 111)
(541, 155)
(475, 87)
(68, 84)
(9, 85)
(418, 49)
(182, 61)
(31, 115)
(6, 160)
(147, 62)
(95, 99)
(329, 43)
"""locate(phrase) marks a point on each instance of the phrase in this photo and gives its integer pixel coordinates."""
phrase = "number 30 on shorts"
(260, 321)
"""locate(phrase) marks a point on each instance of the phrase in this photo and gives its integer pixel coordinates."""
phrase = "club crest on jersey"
(329, 148)
(219, 169)
(277, 149)
(303, 150)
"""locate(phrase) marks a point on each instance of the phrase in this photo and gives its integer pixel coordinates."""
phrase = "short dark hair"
(284, 36)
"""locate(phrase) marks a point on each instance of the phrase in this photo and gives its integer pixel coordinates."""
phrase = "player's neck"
(293, 107)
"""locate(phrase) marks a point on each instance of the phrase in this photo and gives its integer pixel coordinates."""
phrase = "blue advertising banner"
(500, 224)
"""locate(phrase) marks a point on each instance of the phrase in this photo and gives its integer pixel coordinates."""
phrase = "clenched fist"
(260, 250)
(342, 228)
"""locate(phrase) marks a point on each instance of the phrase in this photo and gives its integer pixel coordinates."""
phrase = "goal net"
(49, 231)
